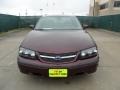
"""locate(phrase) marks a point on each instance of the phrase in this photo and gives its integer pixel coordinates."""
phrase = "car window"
(58, 22)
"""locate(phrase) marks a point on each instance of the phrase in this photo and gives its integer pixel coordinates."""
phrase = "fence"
(89, 20)
(8, 22)
(29, 20)
(111, 22)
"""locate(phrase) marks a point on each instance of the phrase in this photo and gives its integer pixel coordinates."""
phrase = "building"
(104, 7)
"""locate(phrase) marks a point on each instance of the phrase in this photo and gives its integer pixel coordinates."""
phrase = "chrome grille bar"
(44, 56)
(53, 57)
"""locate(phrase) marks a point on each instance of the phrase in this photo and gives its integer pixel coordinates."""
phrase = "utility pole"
(26, 12)
(19, 21)
(41, 11)
(94, 8)
(63, 13)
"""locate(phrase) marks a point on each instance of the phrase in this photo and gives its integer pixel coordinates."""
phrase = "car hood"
(58, 41)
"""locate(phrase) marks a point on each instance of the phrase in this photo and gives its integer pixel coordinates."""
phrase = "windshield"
(58, 22)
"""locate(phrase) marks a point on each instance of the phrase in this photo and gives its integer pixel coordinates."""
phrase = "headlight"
(26, 53)
(88, 53)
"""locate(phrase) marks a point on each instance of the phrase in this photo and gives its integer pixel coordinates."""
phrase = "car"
(58, 47)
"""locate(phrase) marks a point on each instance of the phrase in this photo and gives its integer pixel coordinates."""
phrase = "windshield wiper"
(57, 29)
(44, 29)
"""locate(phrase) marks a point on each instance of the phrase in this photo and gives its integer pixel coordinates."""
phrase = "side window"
(117, 4)
(103, 6)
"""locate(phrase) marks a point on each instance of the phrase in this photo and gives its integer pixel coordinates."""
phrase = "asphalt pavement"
(107, 76)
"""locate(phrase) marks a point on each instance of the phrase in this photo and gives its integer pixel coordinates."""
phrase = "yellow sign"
(58, 72)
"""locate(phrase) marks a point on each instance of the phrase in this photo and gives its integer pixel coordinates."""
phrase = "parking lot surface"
(107, 76)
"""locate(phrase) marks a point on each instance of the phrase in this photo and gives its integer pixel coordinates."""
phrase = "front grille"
(52, 57)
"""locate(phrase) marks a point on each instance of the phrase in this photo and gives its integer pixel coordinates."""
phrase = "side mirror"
(32, 26)
(85, 26)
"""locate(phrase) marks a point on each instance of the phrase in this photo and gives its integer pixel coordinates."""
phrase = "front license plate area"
(58, 73)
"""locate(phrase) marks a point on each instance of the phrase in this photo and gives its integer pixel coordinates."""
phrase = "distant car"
(58, 47)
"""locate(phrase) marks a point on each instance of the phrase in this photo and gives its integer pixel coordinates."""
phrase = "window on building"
(117, 4)
(103, 6)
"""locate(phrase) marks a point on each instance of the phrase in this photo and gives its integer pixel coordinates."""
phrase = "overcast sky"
(37, 7)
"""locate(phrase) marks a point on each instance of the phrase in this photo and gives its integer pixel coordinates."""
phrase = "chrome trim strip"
(71, 56)
(44, 56)
(63, 57)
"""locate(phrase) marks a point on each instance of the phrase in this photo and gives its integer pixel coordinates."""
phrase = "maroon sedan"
(58, 47)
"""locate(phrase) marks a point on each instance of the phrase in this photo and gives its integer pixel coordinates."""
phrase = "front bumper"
(37, 67)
